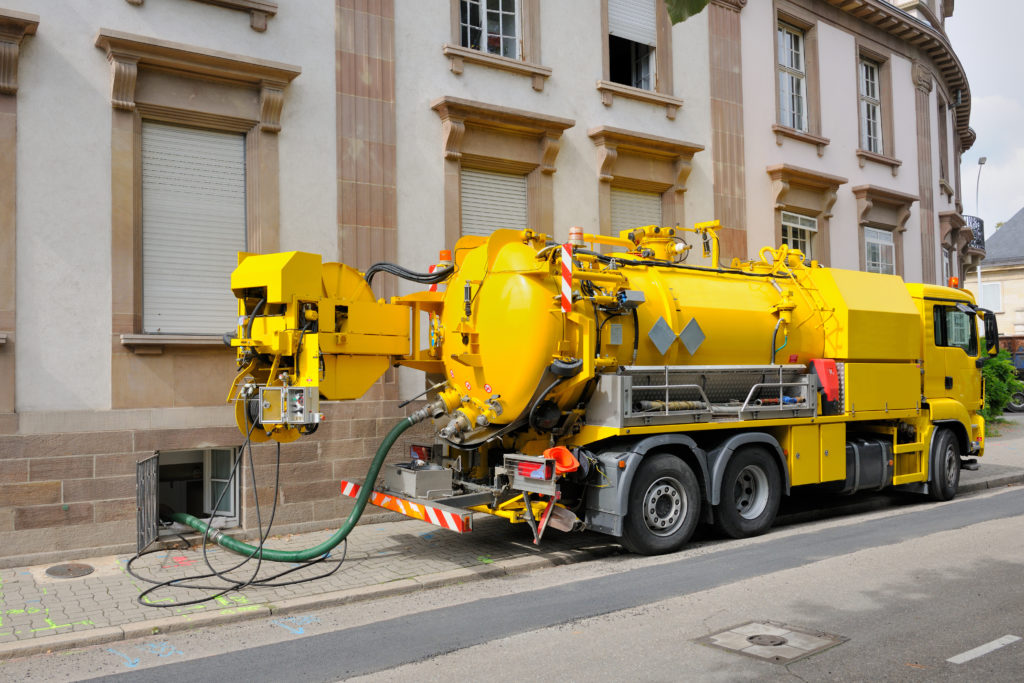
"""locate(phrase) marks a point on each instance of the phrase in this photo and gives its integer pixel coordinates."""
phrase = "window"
(870, 107)
(491, 26)
(992, 296)
(943, 118)
(947, 264)
(632, 209)
(955, 328)
(798, 232)
(203, 483)
(792, 71)
(491, 201)
(632, 39)
(879, 251)
(193, 226)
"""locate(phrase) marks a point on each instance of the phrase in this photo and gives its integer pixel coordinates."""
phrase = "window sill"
(891, 162)
(946, 188)
(458, 56)
(794, 134)
(609, 90)
(153, 344)
(3, 338)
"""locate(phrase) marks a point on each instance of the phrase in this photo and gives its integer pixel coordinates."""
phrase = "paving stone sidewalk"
(40, 613)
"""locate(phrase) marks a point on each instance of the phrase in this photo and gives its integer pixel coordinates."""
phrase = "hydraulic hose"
(236, 546)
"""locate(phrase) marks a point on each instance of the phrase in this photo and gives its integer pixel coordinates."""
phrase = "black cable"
(394, 269)
(234, 584)
(252, 317)
(668, 264)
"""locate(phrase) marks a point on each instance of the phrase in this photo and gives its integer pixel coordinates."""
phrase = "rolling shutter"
(633, 20)
(491, 201)
(193, 225)
(633, 209)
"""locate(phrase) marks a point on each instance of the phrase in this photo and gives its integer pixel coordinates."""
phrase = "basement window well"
(198, 482)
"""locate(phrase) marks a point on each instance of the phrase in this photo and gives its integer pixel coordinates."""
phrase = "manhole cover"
(71, 570)
(771, 641)
(764, 639)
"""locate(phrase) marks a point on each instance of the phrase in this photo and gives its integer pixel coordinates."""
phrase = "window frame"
(796, 74)
(517, 38)
(877, 56)
(230, 517)
(527, 63)
(889, 242)
(791, 225)
(661, 92)
(870, 98)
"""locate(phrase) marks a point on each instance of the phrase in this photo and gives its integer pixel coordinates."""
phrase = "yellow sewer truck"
(606, 384)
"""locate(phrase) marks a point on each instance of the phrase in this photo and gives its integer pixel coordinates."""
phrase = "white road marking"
(983, 649)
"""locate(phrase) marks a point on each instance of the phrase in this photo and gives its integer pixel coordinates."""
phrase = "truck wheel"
(751, 493)
(664, 506)
(1016, 404)
(945, 476)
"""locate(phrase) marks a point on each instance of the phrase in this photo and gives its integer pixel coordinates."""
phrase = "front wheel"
(945, 477)
(664, 506)
(751, 493)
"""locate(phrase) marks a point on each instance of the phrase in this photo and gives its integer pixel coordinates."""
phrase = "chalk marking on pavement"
(983, 649)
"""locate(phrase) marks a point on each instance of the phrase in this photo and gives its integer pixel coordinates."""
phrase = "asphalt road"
(905, 589)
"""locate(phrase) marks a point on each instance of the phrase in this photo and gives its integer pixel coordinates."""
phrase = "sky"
(986, 35)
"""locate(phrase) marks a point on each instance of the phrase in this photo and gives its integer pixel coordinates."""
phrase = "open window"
(200, 483)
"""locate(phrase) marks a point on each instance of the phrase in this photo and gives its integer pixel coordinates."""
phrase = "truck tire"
(663, 508)
(945, 476)
(1016, 404)
(750, 496)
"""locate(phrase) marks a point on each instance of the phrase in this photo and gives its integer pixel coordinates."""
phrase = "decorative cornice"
(786, 176)
(922, 76)
(869, 196)
(609, 90)
(127, 53)
(458, 56)
(259, 10)
(610, 141)
(734, 5)
(14, 26)
(271, 105)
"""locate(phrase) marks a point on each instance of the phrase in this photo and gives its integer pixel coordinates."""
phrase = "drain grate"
(71, 570)
(772, 642)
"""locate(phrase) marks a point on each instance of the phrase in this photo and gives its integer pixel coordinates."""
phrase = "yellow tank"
(503, 326)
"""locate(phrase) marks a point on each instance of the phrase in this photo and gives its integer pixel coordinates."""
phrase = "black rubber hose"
(252, 317)
(404, 273)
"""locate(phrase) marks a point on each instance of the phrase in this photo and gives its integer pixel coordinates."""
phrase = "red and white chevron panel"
(445, 517)
(566, 278)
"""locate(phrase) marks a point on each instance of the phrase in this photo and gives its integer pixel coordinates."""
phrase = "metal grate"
(147, 495)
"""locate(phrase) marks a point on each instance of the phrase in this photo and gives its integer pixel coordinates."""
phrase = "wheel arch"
(959, 431)
(718, 458)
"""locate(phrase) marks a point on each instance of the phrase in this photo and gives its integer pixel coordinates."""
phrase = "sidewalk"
(39, 613)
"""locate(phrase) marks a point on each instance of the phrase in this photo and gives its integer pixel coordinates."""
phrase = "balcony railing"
(977, 227)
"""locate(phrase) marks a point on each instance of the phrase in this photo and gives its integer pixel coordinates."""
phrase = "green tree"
(681, 10)
(1000, 383)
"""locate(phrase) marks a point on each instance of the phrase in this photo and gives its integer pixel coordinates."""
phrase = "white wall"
(63, 217)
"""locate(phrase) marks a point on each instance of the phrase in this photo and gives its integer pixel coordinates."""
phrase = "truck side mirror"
(991, 332)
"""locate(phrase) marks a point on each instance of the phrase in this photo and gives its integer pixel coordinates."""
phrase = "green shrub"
(1000, 383)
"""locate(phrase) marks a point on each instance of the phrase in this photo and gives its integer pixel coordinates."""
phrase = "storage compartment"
(424, 482)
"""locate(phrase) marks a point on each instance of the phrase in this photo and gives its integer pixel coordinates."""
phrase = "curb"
(185, 622)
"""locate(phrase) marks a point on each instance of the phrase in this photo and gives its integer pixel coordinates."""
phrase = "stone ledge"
(794, 134)
(458, 55)
(609, 90)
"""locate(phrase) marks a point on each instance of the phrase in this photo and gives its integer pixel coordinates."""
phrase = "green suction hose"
(236, 546)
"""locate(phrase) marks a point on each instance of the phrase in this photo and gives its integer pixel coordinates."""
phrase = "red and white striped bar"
(566, 278)
(453, 519)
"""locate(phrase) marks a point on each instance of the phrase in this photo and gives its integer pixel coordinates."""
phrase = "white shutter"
(491, 201)
(634, 209)
(193, 226)
(633, 20)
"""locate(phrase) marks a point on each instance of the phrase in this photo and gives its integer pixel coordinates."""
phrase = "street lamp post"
(977, 185)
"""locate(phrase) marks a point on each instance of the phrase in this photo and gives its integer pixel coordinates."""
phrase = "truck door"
(956, 339)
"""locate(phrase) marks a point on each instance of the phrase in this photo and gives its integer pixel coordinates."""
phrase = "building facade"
(145, 143)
